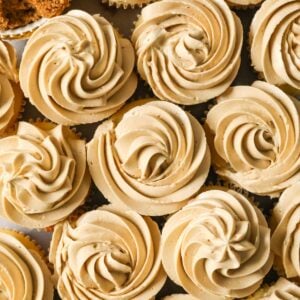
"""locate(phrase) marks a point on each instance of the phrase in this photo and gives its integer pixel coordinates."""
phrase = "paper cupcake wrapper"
(133, 4)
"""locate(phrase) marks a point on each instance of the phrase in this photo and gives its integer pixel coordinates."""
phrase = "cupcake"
(188, 51)
(77, 69)
(253, 133)
(11, 96)
(43, 174)
(19, 18)
(219, 243)
(151, 157)
(243, 3)
(204, 296)
(107, 253)
(275, 46)
(23, 271)
(127, 3)
(285, 241)
(283, 289)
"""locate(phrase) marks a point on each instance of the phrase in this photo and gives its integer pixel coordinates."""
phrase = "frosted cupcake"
(18, 19)
(188, 51)
(77, 69)
(219, 243)
(254, 136)
(108, 254)
(283, 289)
(285, 241)
(43, 174)
(151, 157)
(23, 271)
(11, 96)
(275, 46)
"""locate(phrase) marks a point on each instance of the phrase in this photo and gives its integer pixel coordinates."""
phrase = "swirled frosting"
(203, 296)
(8, 61)
(188, 51)
(23, 273)
(283, 290)
(243, 3)
(108, 253)
(275, 43)
(285, 241)
(255, 138)
(77, 69)
(152, 159)
(43, 175)
(219, 243)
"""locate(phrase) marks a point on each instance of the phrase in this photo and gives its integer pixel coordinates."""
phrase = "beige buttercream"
(108, 253)
(203, 296)
(219, 243)
(275, 43)
(283, 290)
(255, 138)
(152, 159)
(43, 175)
(188, 50)
(23, 273)
(285, 241)
(243, 3)
(8, 61)
(77, 69)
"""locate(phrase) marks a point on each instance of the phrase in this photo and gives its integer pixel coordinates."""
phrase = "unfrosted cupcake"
(219, 243)
(18, 19)
(108, 254)
(285, 241)
(23, 271)
(11, 96)
(254, 136)
(188, 51)
(275, 43)
(151, 157)
(283, 289)
(43, 174)
(77, 69)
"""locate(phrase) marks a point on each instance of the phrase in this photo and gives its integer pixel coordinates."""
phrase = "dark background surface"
(124, 21)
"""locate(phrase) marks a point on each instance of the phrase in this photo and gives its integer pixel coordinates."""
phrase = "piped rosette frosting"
(152, 157)
(275, 43)
(188, 51)
(255, 138)
(43, 174)
(23, 273)
(77, 69)
(219, 243)
(107, 253)
(285, 241)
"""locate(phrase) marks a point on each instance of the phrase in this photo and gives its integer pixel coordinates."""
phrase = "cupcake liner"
(121, 4)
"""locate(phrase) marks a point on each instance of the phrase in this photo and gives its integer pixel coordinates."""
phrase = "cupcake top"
(188, 51)
(285, 241)
(219, 243)
(155, 167)
(82, 71)
(43, 174)
(275, 46)
(243, 3)
(23, 272)
(282, 290)
(254, 135)
(107, 253)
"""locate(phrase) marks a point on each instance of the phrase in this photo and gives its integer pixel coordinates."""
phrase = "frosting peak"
(82, 71)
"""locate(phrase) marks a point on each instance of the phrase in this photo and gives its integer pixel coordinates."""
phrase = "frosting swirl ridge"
(107, 254)
(43, 174)
(219, 243)
(23, 273)
(188, 51)
(285, 241)
(255, 138)
(77, 69)
(275, 43)
(153, 158)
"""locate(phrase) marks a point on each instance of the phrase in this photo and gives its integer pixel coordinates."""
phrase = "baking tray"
(123, 20)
